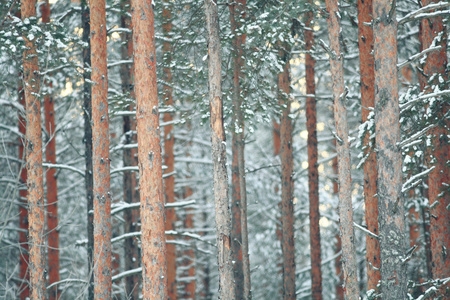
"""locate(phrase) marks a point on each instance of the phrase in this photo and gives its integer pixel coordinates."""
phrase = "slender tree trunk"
(351, 289)
(188, 255)
(52, 189)
(154, 265)
(389, 160)
(169, 140)
(366, 66)
(313, 173)
(24, 273)
(131, 247)
(338, 261)
(438, 191)
(239, 195)
(35, 183)
(88, 177)
(287, 182)
(100, 157)
(218, 145)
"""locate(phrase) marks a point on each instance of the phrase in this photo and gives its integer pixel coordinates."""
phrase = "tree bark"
(239, 233)
(169, 140)
(313, 173)
(131, 217)
(389, 160)
(35, 183)
(52, 189)
(338, 262)
(287, 182)
(100, 158)
(218, 145)
(351, 289)
(366, 66)
(154, 265)
(188, 255)
(24, 274)
(439, 154)
(87, 113)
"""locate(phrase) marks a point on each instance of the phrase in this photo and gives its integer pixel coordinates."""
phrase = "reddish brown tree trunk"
(88, 175)
(131, 216)
(338, 262)
(287, 183)
(154, 265)
(35, 183)
(24, 273)
(100, 157)
(218, 145)
(313, 173)
(169, 182)
(389, 161)
(52, 189)
(188, 255)
(239, 232)
(351, 289)
(366, 66)
(438, 191)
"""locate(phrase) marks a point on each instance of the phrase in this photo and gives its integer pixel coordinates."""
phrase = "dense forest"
(183, 149)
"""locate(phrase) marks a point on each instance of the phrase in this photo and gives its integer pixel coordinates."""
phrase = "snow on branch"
(415, 136)
(116, 208)
(415, 180)
(407, 105)
(417, 14)
(73, 280)
(126, 274)
(66, 167)
(365, 230)
(417, 56)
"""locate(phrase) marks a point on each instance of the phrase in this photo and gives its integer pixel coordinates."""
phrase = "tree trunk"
(438, 191)
(239, 231)
(287, 183)
(35, 183)
(88, 177)
(24, 273)
(100, 157)
(389, 160)
(338, 262)
(313, 173)
(351, 289)
(154, 265)
(187, 254)
(169, 182)
(219, 156)
(366, 66)
(52, 190)
(131, 216)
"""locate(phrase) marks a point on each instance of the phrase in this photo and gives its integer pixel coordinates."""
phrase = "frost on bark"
(434, 31)
(24, 273)
(366, 67)
(154, 265)
(351, 289)
(100, 156)
(131, 216)
(218, 145)
(52, 189)
(87, 116)
(313, 172)
(33, 145)
(389, 161)
(169, 141)
(239, 233)
(287, 182)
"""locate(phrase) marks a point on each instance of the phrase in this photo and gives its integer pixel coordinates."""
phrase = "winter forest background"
(264, 43)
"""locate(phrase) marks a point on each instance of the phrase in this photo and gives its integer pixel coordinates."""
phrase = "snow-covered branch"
(415, 180)
(417, 56)
(66, 167)
(365, 230)
(417, 13)
(69, 280)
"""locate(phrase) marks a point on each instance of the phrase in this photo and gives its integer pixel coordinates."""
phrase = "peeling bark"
(33, 144)
(366, 66)
(218, 147)
(169, 141)
(154, 265)
(389, 161)
(313, 172)
(439, 154)
(351, 289)
(100, 156)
